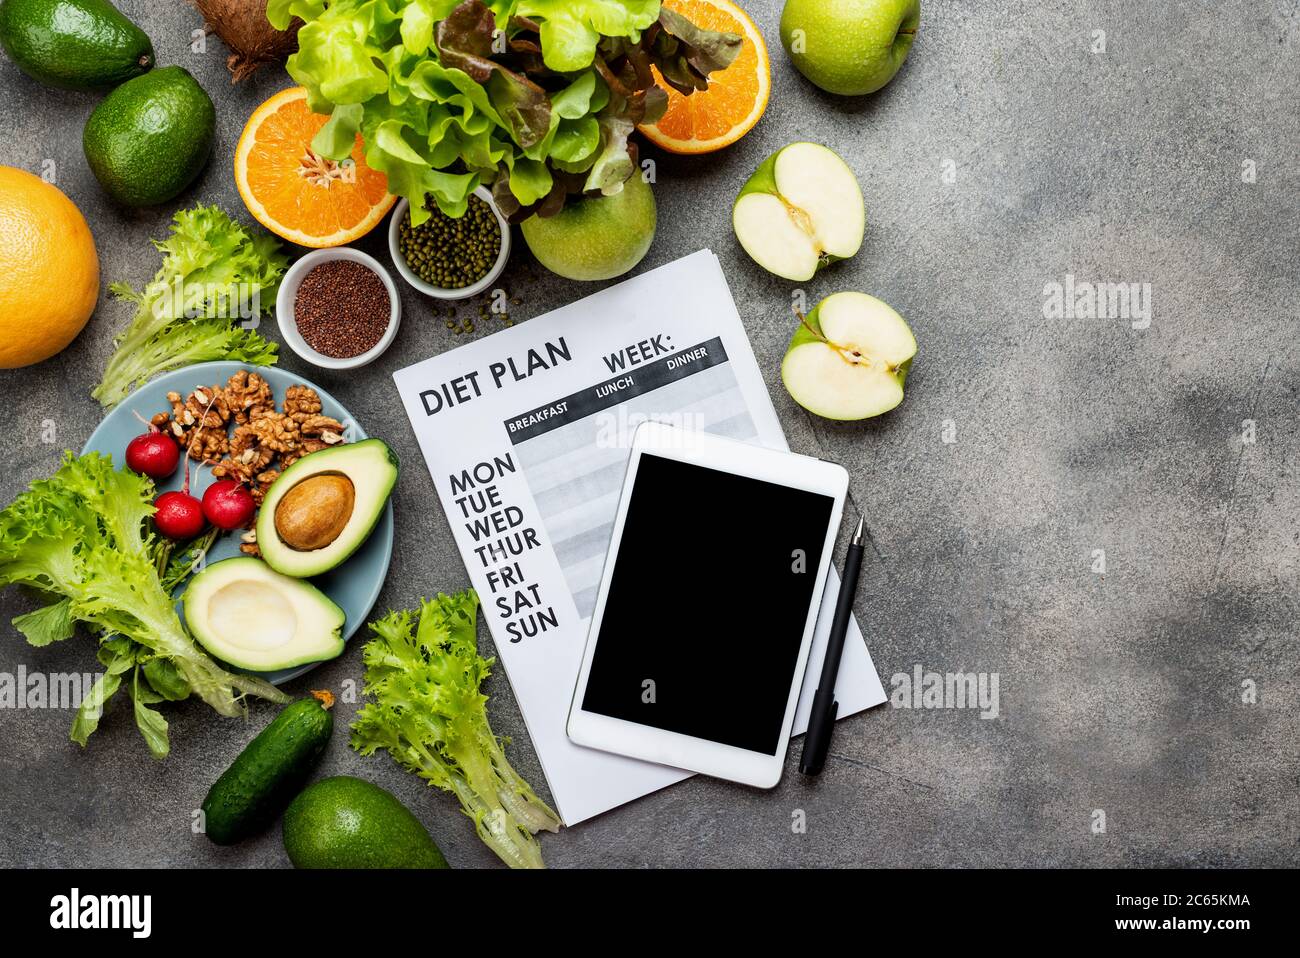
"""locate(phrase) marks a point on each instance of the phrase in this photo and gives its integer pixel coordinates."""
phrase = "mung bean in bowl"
(338, 308)
(451, 258)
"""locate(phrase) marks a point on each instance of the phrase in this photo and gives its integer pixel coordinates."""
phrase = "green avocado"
(150, 138)
(344, 822)
(304, 530)
(74, 44)
(269, 771)
(245, 613)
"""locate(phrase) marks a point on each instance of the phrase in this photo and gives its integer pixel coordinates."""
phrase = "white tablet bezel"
(673, 748)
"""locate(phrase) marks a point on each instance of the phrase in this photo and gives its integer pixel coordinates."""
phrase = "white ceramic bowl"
(284, 303)
(437, 292)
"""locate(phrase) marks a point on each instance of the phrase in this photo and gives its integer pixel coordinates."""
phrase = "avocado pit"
(314, 512)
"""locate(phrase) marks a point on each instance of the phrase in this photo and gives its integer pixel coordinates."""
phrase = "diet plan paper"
(526, 434)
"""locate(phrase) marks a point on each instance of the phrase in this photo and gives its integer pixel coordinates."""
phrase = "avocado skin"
(150, 138)
(344, 822)
(74, 44)
(264, 777)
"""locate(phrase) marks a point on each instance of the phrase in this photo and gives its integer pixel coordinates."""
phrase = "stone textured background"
(1120, 693)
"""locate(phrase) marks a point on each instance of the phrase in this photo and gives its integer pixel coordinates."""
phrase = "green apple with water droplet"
(849, 358)
(849, 47)
(596, 238)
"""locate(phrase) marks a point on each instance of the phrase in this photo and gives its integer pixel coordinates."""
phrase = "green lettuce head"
(535, 97)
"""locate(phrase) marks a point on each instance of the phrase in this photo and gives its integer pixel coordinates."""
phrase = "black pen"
(821, 720)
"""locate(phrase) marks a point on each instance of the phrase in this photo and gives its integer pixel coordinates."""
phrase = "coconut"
(243, 27)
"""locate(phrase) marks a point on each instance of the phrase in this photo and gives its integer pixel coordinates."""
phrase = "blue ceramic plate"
(354, 585)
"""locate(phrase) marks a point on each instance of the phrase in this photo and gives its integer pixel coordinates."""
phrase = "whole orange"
(49, 272)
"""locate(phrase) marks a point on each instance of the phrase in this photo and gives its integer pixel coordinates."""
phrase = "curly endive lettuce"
(536, 97)
(423, 671)
(80, 538)
(215, 276)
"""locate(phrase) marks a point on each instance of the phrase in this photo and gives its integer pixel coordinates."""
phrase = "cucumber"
(267, 774)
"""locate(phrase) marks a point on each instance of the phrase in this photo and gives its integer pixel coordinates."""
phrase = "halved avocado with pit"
(247, 614)
(324, 506)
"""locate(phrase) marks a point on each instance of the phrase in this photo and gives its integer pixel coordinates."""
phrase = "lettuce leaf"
(52, 623)
(570, 29)
(465, 41)
(91, 709)
(614, 164)
(427, 710)
(686, 55)
(150, 721)
(81, 537)
(216, 283)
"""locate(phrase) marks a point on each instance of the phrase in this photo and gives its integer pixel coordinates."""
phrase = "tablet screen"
(707, 603)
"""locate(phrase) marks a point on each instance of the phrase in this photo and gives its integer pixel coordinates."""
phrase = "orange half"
(305, 198)
(708, 120)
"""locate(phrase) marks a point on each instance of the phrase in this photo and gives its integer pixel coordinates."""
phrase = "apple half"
(801, 210)
(849, 358)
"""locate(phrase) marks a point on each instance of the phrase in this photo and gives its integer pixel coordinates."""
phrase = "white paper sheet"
(525, 433)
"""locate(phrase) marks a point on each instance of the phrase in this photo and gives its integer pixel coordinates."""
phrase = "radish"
(153, 454)
(228, 504)
(177, 514)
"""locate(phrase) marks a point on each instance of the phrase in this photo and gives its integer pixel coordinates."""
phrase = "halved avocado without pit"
(245, 613)
(324, 506)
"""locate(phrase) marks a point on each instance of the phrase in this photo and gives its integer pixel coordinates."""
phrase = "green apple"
(849, 47)
(801, 210)
(849, 358)
(596, 238)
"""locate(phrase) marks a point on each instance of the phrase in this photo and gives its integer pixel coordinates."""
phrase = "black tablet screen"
(707, 604)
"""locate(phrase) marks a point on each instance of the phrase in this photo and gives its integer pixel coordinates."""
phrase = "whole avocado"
(74, 44)
(150, 138)
(344, 822)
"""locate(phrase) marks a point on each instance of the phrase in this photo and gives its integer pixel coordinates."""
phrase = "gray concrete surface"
(1120, 694)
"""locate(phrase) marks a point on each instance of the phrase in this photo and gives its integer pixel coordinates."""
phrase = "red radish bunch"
(228, 504)
(177, 514)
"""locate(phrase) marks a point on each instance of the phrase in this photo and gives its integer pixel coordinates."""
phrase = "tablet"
(707, 604)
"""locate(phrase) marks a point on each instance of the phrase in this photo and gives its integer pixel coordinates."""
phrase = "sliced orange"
(305, 198)
(708, 120)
